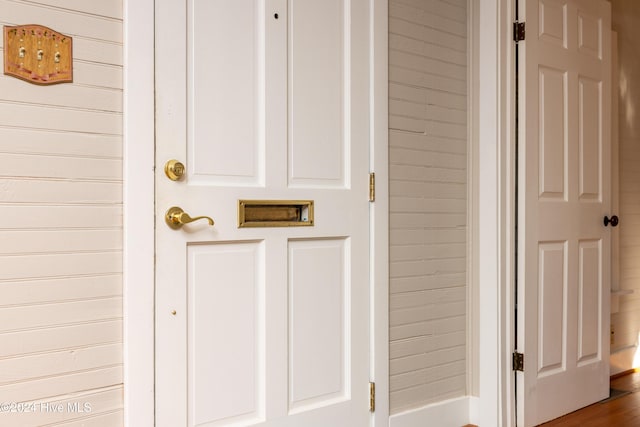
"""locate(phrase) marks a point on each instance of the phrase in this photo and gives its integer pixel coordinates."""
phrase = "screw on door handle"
(176, 218)
(613, 221)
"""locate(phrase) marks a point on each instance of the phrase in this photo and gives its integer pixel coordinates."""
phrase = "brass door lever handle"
(176, 218)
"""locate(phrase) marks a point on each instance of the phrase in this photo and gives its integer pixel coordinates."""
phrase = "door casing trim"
(138, 212)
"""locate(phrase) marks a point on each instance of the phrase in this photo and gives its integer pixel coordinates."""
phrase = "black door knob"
(613, 221)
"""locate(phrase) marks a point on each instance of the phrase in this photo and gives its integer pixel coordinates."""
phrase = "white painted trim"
(495, 213)
(380, 209)
(473, 285)
(138, 213)
(448, 413)
(474, 409)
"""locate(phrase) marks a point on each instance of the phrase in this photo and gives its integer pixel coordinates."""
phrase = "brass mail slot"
(275, 213)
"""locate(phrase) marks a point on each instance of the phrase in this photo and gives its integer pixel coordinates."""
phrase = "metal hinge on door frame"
(372, 396)
(518, 31)
(372, 187)
(518, 361)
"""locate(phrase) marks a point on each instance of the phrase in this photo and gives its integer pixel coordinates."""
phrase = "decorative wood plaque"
(37, 54)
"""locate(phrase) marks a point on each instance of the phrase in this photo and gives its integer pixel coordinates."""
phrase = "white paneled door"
(564, 246)
(263, 100)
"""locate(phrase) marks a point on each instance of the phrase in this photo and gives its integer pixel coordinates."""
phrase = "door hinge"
(372, 396)
(518, 31)
(518, 361)
(372, 187)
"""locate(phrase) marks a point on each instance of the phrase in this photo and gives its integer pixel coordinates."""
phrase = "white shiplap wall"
(626, 322)
(61, 233)
(428, 200)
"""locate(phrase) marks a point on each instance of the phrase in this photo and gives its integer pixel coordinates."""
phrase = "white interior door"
(263, 100)
(564, 248)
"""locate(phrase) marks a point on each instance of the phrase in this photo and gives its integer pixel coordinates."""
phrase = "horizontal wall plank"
(405, 28)
(75, 120)
(38, 141)
(432, 236)
(97, 75)
(427, 312)
(426, 143)
(98, 51)
(59, 265)
(69, 95)
(416, 204)
(403, 348)
(21, 217)
(438, 8)
(109, 9)
(411, 284)
(431, 220)
(65, 21)
(52, 167)
(426, 360)
(417, 15)
(59, 385)
(426, 80)
(427, 174)
(431, 190)
(69, 288)
(427, 375)
(59, 241)
(400, 301)
(405, 156)
(428, 50)
(424, 394)
(423, 251)
(428, 327)
(103, 403)
(58, 314)
(25, 368)
(59, 192)
(60, 337)
(427, 96)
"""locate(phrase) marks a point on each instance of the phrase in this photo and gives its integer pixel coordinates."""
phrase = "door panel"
(553, 141)
(319, 123)
(231, 374)
(552, 321)
(225, 79)
(589, 303)
(563, 254)
(318, 328)
(263, 100)
(590, 136)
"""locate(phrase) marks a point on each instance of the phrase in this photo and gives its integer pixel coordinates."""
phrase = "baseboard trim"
(624, 373)
(448, 413)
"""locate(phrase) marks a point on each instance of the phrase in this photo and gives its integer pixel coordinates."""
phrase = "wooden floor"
(620, 412)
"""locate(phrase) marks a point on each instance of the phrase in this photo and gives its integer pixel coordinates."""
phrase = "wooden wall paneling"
(428, 198)
(61, 196)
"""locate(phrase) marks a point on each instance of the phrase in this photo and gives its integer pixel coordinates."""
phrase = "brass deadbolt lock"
(174, 170)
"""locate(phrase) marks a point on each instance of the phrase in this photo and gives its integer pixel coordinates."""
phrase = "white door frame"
(139, 228)
(379, 234)
(139, 195)
(493, 133)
